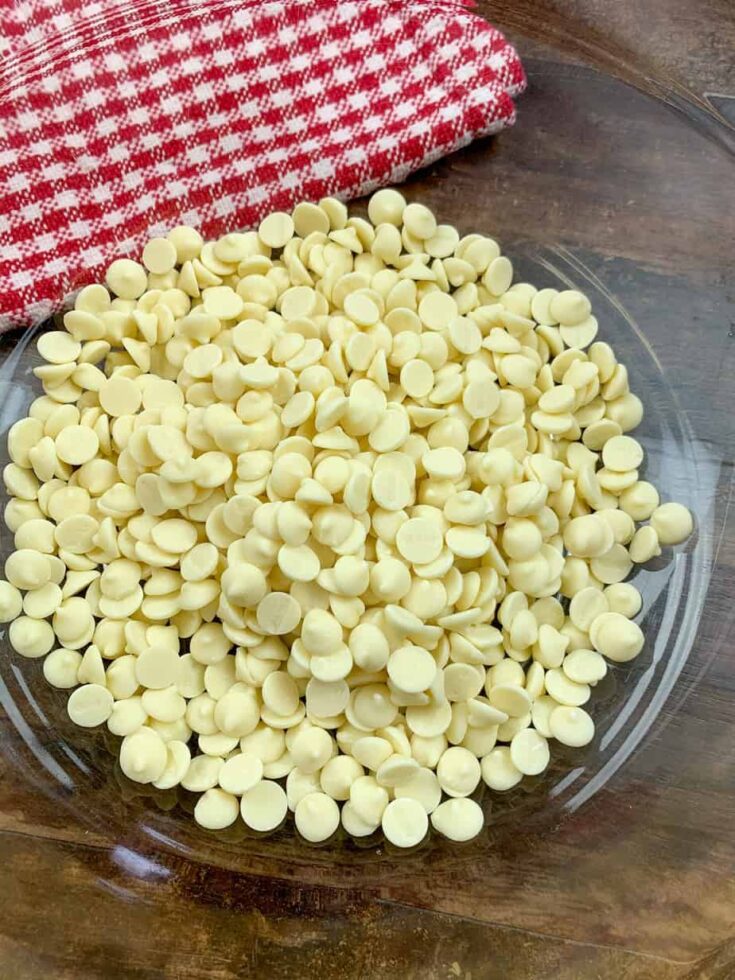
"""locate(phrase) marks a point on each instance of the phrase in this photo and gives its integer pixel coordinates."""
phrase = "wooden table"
(637, 883)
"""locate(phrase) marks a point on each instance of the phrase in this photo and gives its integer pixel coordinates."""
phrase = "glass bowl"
(70, 762)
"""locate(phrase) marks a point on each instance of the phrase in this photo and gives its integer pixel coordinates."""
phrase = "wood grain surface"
(100, 880)
(677, 44)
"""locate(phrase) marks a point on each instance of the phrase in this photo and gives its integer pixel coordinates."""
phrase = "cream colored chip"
(299, 563)
(467, 542)
(31, 637)
(622, 453)
(565, 691)
(584, 666)
(60, 668)
(529, 752)
(571, 726)
(396, 771)
(458, 771)
(27, 568)
(278, 613)
(316, 816)
(202, 773)
(298, 409)
(372, 707)
(465, 335)
(309, 218)
(422, 785)
(276, 229)
(215, 809)
(90, 705)
(160, 393)
(419, 540)
(372, 751)
(643, 547)
(120, 396)
(11, 602)
(499, 772)
(510, 698)
(581, 334)
(312, 749)
(186, 241)
(58, 347)
(624, 598)
(77, 444)
(143, 756)
(222, 302)
(445, 463)
(174, 535)
(419, 221)
(442, 243)
(43, 602)
(178, 759)
(569, 307)
(417, 378)
(481, 399)
(458, 819)
(390, 490)
(672, 523)
(585, 606)
(499, 275)
(412, 669)
(127, 279)
(438, 311)
(639, 500)
(616, 637)
(159, 256)
(361, 308)
(405, 822)
(240, 773)
(387, 206)
(157, 667)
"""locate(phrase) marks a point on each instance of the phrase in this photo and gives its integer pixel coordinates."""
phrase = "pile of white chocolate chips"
(332, 518)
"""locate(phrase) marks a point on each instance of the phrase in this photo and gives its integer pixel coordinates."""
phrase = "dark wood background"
(638, 883)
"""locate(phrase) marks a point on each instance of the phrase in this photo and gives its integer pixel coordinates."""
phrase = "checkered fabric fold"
(119, 120)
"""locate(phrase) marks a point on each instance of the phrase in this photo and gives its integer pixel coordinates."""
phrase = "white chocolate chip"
(615, 637)
(405, 822)
(264, 806)
(215, 809)
(143, 755)
(672, 523)
(316, 816)
(499, 771)
(529, 752)
(458, 819)
(571, 726)
(240, 773)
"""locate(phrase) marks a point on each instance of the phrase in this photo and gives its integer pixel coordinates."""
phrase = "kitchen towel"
(119, 120)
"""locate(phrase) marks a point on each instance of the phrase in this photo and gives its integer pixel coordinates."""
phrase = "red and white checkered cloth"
(121, 119)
